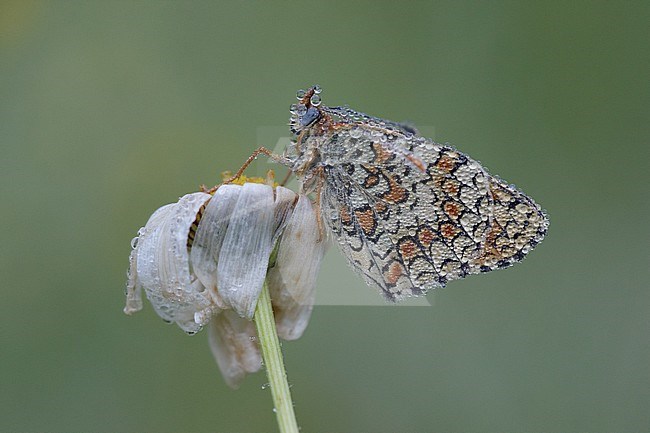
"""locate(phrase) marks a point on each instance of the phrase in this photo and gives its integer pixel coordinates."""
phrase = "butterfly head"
(307, 111)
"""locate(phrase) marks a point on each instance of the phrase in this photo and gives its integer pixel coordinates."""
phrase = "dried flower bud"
(204, 259)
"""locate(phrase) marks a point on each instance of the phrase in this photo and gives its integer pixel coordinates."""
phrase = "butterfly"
(408, 214)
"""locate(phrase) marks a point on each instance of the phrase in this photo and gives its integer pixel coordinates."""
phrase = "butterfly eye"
(310, 117)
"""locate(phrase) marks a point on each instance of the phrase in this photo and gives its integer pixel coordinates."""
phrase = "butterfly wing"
(518, 225)
(354, 224)
(411, 215)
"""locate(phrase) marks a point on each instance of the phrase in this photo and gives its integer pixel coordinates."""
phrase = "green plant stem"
(272, 355)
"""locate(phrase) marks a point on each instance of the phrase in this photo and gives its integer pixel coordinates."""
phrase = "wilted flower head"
(203, 261)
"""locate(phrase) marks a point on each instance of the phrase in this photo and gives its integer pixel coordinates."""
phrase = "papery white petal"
(233, 341)
(163, 263)
(246, 248)
(209, 237)
(292, 281)
(133, 287)
(284, 202)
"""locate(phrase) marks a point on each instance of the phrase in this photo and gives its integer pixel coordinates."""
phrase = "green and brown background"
(109, 110)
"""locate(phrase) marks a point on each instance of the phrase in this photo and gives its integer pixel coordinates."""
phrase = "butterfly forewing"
(414, 227)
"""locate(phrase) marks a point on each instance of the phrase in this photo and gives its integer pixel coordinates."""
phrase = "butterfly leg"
(286, 178)
(260, 150)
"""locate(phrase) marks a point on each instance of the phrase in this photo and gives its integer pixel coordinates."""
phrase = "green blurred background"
(112, 109)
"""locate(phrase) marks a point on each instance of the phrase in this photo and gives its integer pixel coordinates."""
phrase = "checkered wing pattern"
(517, 225)
(408, 214)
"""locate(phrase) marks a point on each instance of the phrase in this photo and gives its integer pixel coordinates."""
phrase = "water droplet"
(266, 385)
(317, 88)
(315, 100)
(355, 132)
(134, 243)
(275, 410)
(300, 94)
